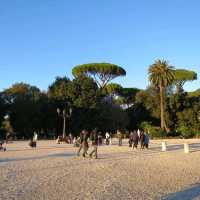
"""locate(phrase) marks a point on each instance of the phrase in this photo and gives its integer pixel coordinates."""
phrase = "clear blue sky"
(42, 39)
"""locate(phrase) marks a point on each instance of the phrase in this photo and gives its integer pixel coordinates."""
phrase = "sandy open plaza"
(53, 171)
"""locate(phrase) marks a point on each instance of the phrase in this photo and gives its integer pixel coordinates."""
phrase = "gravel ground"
(54, 172)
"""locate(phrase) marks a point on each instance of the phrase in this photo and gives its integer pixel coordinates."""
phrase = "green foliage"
(154, 132)
(195, 93)
(113, 88)
(128, 95)
(83, 92)
(185, 131)
(150, 99)
(181, 76)
(30, 109)
(58, 90)
(102, 73)
(184, 75)
(161, 74)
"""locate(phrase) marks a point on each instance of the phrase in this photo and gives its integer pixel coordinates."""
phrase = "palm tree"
(161, 75)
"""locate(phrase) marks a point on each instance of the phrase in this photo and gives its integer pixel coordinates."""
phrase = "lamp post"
(65, 115)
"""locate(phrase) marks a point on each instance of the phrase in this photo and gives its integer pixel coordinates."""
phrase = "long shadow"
(186, 194)
(40, 148)
(37, 157)
(152, 150)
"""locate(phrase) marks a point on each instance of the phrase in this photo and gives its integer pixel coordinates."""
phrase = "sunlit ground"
(53, 171)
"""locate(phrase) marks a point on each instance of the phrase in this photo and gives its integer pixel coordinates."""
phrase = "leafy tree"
(112, 91)
(22, 104)
(181, 76)
(195, 93)
(59, 91)
(7, 128)
(149, 99)
(113, 88)
(83, 92)
(161, 76)
(102, 73)
(128, 95)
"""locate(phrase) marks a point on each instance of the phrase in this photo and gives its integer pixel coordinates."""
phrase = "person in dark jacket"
(83, 143)
(142, 138)
(94, 140)
(146, 140)
(130, 139)
(135, 139)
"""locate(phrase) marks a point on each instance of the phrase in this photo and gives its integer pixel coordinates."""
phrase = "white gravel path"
(54, 172)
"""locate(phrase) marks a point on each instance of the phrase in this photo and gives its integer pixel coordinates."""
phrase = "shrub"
(154, 131)
(185, 131)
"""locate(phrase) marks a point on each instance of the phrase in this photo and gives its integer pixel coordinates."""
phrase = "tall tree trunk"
(162, 122)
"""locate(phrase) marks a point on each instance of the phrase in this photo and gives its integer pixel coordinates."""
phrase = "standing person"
(119, 135)
(99, 138)
(107, 138)
(146, 140)
(81, 142)
(85, 143)
(35, 137)
(142, 136)
(70, 138)
(138, 132)
(94, 139)
(135, 139)
(130, 139)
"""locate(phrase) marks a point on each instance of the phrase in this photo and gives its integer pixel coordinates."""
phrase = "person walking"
(81, 142)
(94, 140)
(35, 137)
(130, 139)
(142, 136)
(135, 139)
(107, 138)
(70, 138)
(119, 135)
(146, 140)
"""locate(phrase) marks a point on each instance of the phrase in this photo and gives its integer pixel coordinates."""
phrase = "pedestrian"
(107, 138)
(35, 137)
(100, 138)
(135, 139)
(94, 140)
(146, 140)
(138, 132)
(83, 143)
(142, 139)
(119, 135)
(70, 138)
(130, 139)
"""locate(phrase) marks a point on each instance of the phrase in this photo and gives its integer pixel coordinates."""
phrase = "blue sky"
(42, 39)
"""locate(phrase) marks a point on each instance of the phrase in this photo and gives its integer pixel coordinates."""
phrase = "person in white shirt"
(107, 138)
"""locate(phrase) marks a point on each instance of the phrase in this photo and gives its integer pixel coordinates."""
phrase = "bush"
(185, 131)
(154, 131)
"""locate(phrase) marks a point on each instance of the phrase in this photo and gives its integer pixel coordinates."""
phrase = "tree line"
(163, 109)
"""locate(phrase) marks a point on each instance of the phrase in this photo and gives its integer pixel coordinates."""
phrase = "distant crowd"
(135, 137)
(95, 139)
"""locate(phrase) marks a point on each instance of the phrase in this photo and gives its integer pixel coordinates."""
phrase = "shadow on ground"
(190, 193)
(5, 160)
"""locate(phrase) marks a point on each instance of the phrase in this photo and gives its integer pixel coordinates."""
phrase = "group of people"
(84, 145)
(141, 137)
